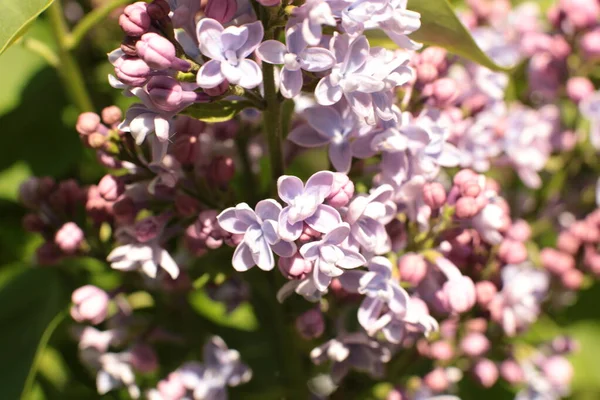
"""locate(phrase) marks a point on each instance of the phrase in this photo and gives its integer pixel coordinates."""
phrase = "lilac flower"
(380, 291)
(353, 350)
(228, 49)
(518, 304)
(331, 259)
(326, 125)
(310, 17)
(305, 204)
(116, 371)
(590, 108)
(261, 239)
(295, 57)
(368, 215)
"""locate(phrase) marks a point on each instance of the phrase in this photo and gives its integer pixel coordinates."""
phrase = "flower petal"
(284, 249)
(306, 136)
(251, 74)
(271, 51)
(316, 59)
(255, 36)
(232, 73)
(289, 187)
(352, 259)
(338, 234)
(268, 209)
(290, 84)
(242, 258)
(287, 231)
(229, 221)
(350, 280)
(210, 75)
(320, 279)
(233, 37)
(326, 120)
(310, 251)
(368, 313)
(168, 264)
(324, 218)
(263, 256)
(326, 93)
(319, 185)
(209, 38)
(340, 155)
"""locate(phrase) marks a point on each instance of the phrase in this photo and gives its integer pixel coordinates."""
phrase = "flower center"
(231, 57)
(291, 61)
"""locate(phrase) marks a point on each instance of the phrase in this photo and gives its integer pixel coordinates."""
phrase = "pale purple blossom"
(295, 57)
(310, 17)
(331, 258)
(116, 371)
(590, 109)
(228, 48)
(261, 237)
(305, 205)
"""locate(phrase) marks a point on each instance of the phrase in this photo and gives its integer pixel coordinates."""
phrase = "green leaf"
(241, 318)
(441, 27)
(32, 304)
(218, 111)
(16, 17)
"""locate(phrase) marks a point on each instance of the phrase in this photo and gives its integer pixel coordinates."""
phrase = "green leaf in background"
(32, 305)
(16, 17)
(241, 318)
(218, 111)
(441, 27)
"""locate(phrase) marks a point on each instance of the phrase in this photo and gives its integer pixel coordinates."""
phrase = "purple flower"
(261, 239)
(326, 125)
(590, 108)
(295, 57)
(306, 204)
(331, 259)
(228, 49)
(310, 17)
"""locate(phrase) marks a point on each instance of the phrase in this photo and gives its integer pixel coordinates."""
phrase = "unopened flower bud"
(475, 344)
(556, 261)
(564, 345)
(342, 191)
(310, 325)
(69, 238)
(87, 123)
(568, 243)
(218, 90)
(221, 10)
(590, 44)
(558, 370)
(519, 231)
(485, 372)
(578, 88)
(221, 170)
(135, 20)
(485, 292)
(412, 268)
(466, 207)
(463, 176)
(470, 188)
(158, 10)
(580, 13)
(586, 232)
(443, 92)
(435, 56)
(441, 350)
(168, 94)
(434, 195)
(512, 252)
(159, 53)
(512, 372)
(90, 303)
(294, 267)
(460, 293)
(143, 358)
(111, 187)
(111, 115)
(96, 140)
(478, 325)
(437, 380)
(309, 234)
(132, 71)
(572, 279)
(426, 73)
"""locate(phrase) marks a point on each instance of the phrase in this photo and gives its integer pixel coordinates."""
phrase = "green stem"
(272, 122)
(90, 20)
(68, 69)
(42, 49)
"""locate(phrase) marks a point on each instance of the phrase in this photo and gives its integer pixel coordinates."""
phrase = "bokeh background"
(37, 122)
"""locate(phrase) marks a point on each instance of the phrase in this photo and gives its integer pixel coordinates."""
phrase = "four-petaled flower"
(228, 49)
(261, 239)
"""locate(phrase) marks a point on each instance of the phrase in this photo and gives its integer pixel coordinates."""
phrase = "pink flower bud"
(485, 372)
(69, 238)
(444, 91)
(309, 234)
(168, 94)
(470, 188)
(564, 345)
(512, 252)
(591, 260)
(441, 350)
(310, 324)
(147, 229)
(172, 387)
(143, 358)
(466, 207)
(519, 231)
(572, 279)
(568, 243)
(475, 344)
(294, 267)
(90, 303)
(485, 292)
(221, 10)
(132, 71)
(435, 56)
(111, 187)
(221, 170)
(590, 44)
(578, 88)
(581, 13)
(558, 370)
(559, 47)
(412, 268)
(437, 380)
(186, 149)
(218, 90)
(460, 293)
(158, 10)
(426, 73)
(135, 20)
(511, 371)
(87, 123)
(111, 115)
(396, 394)
(205, 233)
(434, 195)
(585, 231)
(463, 176)
(159, 53)
(556, 261)
(478, 325)
(342, 190)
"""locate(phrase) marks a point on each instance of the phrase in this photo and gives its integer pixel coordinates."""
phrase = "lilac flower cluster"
(406, 250)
